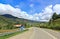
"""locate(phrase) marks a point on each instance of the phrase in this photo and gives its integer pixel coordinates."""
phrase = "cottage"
(17, 25)
(22, 27)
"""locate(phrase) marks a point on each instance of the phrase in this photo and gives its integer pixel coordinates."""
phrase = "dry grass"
(2, 31)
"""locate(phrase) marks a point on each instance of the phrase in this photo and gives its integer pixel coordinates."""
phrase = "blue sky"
(30, 6)
(39, 10)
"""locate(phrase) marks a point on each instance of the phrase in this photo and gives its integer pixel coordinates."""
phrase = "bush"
(51, 27)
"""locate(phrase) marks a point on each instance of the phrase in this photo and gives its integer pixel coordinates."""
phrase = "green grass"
(10, 35)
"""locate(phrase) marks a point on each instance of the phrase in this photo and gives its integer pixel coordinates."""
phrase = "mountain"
(8, 16)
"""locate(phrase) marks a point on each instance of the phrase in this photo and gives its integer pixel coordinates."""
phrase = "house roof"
(17, 25)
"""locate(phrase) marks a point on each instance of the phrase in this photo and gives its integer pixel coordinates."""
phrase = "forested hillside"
(8, 21)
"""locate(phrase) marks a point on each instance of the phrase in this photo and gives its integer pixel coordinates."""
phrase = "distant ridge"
(8, 16)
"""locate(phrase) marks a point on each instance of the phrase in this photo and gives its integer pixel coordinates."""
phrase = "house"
(17, 25)
(22, 27)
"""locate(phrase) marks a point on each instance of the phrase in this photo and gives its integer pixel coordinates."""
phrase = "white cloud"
(56, 8)
(8, 9)
(48, 12)
(45, 15)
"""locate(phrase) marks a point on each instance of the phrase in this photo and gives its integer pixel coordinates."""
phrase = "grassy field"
(10, 35)
(8, 30)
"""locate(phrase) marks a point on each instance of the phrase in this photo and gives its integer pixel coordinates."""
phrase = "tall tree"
(54, 17)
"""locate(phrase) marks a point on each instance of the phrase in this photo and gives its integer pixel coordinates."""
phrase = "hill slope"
(8, 21)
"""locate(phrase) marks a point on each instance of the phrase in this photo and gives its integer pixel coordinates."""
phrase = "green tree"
(54, 17)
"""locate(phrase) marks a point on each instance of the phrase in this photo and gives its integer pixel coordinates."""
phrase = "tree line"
(54, 22)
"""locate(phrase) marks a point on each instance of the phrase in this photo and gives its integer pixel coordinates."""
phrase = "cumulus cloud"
(56, 8)
(45, 15)
(48, 12)
(8, 9)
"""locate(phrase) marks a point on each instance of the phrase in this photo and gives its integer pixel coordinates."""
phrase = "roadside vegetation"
(54, 22)
(12, 34)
